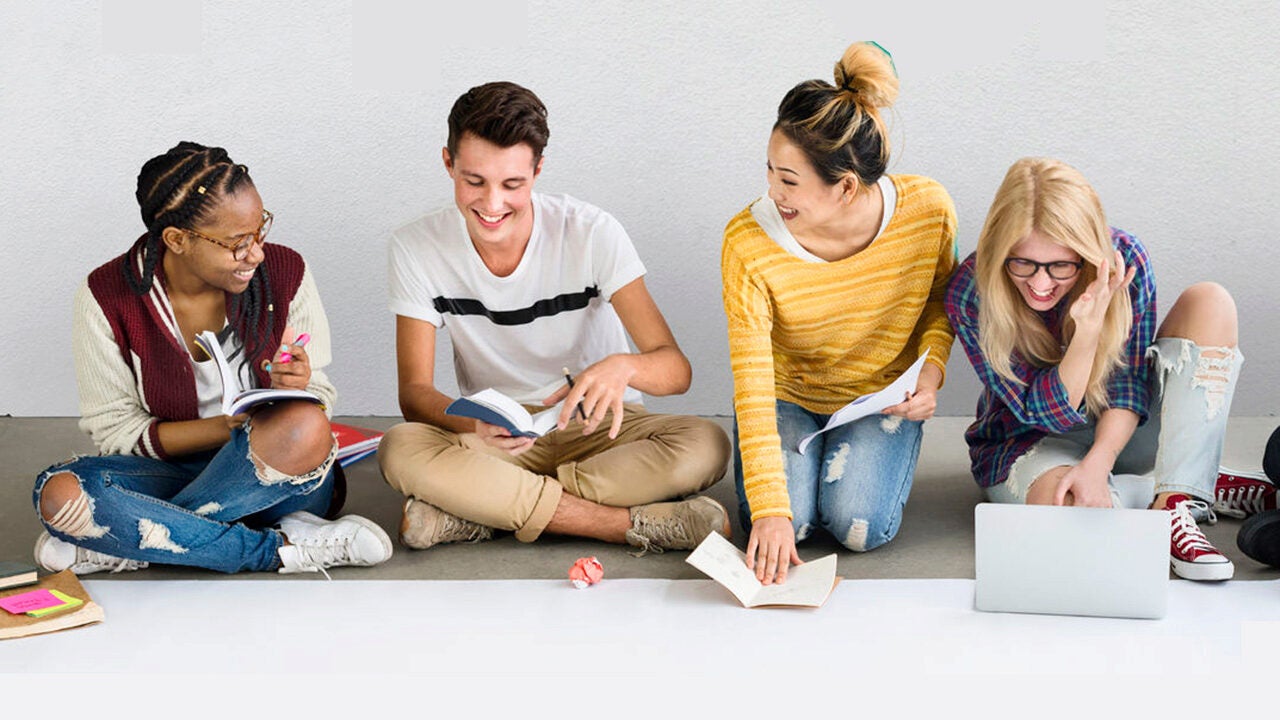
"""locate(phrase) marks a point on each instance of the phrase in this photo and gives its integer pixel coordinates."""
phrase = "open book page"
(208, 341)
(807, 585)
(495, 408)
(545, 421)
(249, 398)
(233, 402)
(872, 403)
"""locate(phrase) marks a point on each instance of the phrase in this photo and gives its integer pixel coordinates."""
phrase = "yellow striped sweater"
(819, 334)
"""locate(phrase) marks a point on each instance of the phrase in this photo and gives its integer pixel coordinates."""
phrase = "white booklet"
(872, 403)
(495, 408)
(807, 585)
(233, 402)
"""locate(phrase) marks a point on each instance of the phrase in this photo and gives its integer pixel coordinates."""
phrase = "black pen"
(577, 411)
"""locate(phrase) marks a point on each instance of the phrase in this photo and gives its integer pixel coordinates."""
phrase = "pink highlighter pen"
(302, 340)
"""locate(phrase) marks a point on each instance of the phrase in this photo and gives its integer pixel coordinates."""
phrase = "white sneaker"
(57, 555)
(317, 544)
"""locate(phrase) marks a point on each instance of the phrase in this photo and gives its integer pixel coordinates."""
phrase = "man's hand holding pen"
(577, 409)
(594, 393)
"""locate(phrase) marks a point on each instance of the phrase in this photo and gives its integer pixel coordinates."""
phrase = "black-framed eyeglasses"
(240, 250)
(1058, 270)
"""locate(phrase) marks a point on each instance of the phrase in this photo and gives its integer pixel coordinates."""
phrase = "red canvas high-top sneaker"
(1241, 494)
(1190, 553)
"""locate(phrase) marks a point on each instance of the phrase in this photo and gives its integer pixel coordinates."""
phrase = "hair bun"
(867, 73)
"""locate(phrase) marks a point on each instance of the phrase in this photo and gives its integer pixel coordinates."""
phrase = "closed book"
(355, 441)
(16, 574)
(15, 626)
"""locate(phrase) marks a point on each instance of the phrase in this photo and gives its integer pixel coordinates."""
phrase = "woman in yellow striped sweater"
(833, 286)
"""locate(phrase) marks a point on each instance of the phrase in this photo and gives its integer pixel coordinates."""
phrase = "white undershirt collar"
(765, 212)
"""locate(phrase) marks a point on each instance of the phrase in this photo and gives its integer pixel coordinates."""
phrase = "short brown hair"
(503, 113)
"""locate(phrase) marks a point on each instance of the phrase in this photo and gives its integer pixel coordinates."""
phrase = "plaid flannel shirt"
(1014, 416)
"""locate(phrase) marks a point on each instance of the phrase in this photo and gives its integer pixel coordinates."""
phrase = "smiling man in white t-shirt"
(527, 285)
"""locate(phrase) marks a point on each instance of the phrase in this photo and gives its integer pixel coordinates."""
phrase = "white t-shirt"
(516, 333)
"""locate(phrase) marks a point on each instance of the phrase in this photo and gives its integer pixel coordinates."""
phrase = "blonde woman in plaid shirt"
(1056, 311)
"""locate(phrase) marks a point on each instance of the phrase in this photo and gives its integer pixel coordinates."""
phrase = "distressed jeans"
(852, 481)
(1177, 450)
(215, 512)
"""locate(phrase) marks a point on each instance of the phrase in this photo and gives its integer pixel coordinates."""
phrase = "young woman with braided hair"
(178, 482)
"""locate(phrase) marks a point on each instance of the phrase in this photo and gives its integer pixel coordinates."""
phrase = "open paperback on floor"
(233, 402)
(807, 585)
(872, 403)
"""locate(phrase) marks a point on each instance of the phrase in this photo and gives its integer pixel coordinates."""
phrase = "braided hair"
(180, 189)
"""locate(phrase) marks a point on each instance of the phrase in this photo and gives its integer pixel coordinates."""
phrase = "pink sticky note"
(28, 601)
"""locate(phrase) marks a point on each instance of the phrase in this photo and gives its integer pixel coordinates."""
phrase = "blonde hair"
(1054, 199)
(840, 127)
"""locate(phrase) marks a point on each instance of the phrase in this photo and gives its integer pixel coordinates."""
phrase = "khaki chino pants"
(654, 458)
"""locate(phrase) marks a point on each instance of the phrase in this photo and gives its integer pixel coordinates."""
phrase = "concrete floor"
(935, 541)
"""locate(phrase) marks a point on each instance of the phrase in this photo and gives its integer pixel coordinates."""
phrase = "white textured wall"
(659, 112)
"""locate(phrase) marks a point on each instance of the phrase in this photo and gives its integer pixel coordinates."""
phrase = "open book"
(872, 403)
(495, 408)
(807, 585)
(234, 403)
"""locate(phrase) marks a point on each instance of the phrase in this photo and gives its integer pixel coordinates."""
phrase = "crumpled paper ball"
(585, 571)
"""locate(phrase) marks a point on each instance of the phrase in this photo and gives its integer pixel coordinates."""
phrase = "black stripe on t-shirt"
(543, 308)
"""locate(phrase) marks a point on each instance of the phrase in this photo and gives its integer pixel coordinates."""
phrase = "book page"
(807, 585)
(208, 340)
(727, 565)
(545, 421)
(872, 403)
(234, 401)
(505, 406)
(256, 396)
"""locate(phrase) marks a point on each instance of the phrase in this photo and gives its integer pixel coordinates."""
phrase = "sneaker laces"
(1187, 535)
(84, 556)
(649, 534)
(455, 529)
(643, 543)
(1240, 502)
(324, 553)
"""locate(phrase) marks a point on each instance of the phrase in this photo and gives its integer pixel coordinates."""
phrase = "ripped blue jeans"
(852, 481)
(1177, 450)
(214, 512)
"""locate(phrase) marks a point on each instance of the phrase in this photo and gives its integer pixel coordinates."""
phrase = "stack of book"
(16, 574)
(355, 443)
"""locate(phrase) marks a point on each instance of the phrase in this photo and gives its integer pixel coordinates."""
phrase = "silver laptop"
(1071, 561)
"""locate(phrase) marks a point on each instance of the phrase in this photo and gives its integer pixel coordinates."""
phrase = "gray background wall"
(659, 112)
